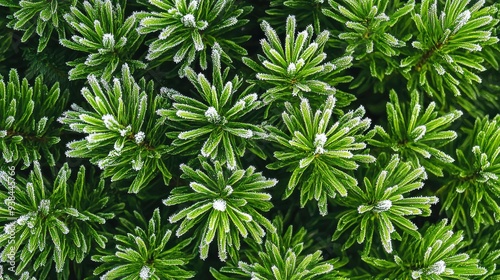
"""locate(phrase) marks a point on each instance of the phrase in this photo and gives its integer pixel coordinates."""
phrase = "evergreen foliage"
(281, 139)
(383, 204)
(214, 125)
(368, 32)
(435, 256)
(189, 27)
(54, 224)
(141, 252)
(448, 41)
(298, 68)
(319, 152)
(280, 257)
(227, 204)
(28, 130)
(303, 10)
(40, 17)
(417, 134)
(110, 39)
(122, 123)
(474, 189)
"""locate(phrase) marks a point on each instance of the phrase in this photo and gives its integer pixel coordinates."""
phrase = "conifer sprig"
(189, 27)
(319, 151)
(28, 131)
(222, 204)
(142, 252)
(449, 41)
(40, 17)
(297, 69)
(281, 257)
(213, 125)
(368, 32)
(305, 11)
(278, 102)
(417, 134)
(52, 224)
(383, 205)
(435, 256)
(124, 137)
(474, 192)
(486, 248)
(109, 38)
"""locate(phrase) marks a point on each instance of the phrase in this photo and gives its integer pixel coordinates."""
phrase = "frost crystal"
(102, 163)
(10, 228)
(462, 19)
(219, 204)
(383, 205)
(110, 122)
(22, 220)
(212, 115)
(291, 68)
(382, 17)
(137, 164)
(437, 268)
(139, 137)
(44, 206)
(420, 131)
(108, 40)
(73, 126)
(3, 133)
(9, 121)
(319, 143)
(439, 69)
(145, 272)
(188, 20)
(124, 132)
(416, 274)
(228, 190)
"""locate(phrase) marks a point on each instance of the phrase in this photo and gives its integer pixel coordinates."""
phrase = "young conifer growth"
(486, 248)
(358, 127)
(450, 38)
(214, 125)
(280, 257)
(109, 38)
(367, 30)
(40, 17)
(141, 252)
(28, 131)
(437, 255)
(53, 224)
(121, 122)
(474, 190)
(224, 205)
(306, 12)
(320, 152)
(188, 27)
(297, 69)
(383, 205)
(417, 134)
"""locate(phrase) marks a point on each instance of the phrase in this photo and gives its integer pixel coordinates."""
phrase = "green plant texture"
(140, 252)
(264, 139)
(110, 39)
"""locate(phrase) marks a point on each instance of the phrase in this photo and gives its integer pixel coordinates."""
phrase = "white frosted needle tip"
(219, 204)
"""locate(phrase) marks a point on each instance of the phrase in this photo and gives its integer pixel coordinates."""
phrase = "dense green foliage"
(281, 139)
